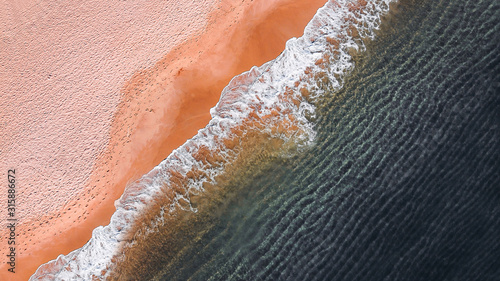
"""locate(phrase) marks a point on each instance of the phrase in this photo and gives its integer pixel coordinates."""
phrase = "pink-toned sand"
(95, 95)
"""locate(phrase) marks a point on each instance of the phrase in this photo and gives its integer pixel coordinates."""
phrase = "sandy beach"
(95, 96)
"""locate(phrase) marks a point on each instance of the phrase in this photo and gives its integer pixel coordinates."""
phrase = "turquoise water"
(402, 182)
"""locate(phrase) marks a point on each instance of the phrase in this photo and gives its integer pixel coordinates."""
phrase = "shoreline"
(149, 120)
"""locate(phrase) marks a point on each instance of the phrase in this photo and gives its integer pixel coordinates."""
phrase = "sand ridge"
(157, 110)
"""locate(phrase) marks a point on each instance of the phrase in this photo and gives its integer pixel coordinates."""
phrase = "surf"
(264, 113)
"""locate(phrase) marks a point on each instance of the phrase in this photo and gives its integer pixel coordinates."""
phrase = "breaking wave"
(273, 103)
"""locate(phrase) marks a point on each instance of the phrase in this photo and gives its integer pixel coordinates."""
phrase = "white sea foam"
(323, 51)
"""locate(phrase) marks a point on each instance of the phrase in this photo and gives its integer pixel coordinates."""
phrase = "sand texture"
(94, 95)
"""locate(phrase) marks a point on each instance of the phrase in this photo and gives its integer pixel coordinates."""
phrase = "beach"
(87, 111)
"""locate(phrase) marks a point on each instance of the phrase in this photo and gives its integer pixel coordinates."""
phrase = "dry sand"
(90, 101)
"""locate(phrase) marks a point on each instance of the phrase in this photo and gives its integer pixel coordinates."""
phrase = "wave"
(276, 100)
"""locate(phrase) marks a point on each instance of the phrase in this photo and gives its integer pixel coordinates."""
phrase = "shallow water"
(402, 181)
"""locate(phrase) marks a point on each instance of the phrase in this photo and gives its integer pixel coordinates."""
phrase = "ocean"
(387, 168)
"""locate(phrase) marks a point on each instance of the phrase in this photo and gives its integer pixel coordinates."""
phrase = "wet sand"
(156, 110)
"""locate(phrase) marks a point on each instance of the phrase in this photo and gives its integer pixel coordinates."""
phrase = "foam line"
(279, 93)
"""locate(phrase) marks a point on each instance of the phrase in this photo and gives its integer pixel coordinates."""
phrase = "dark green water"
(403, 181)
